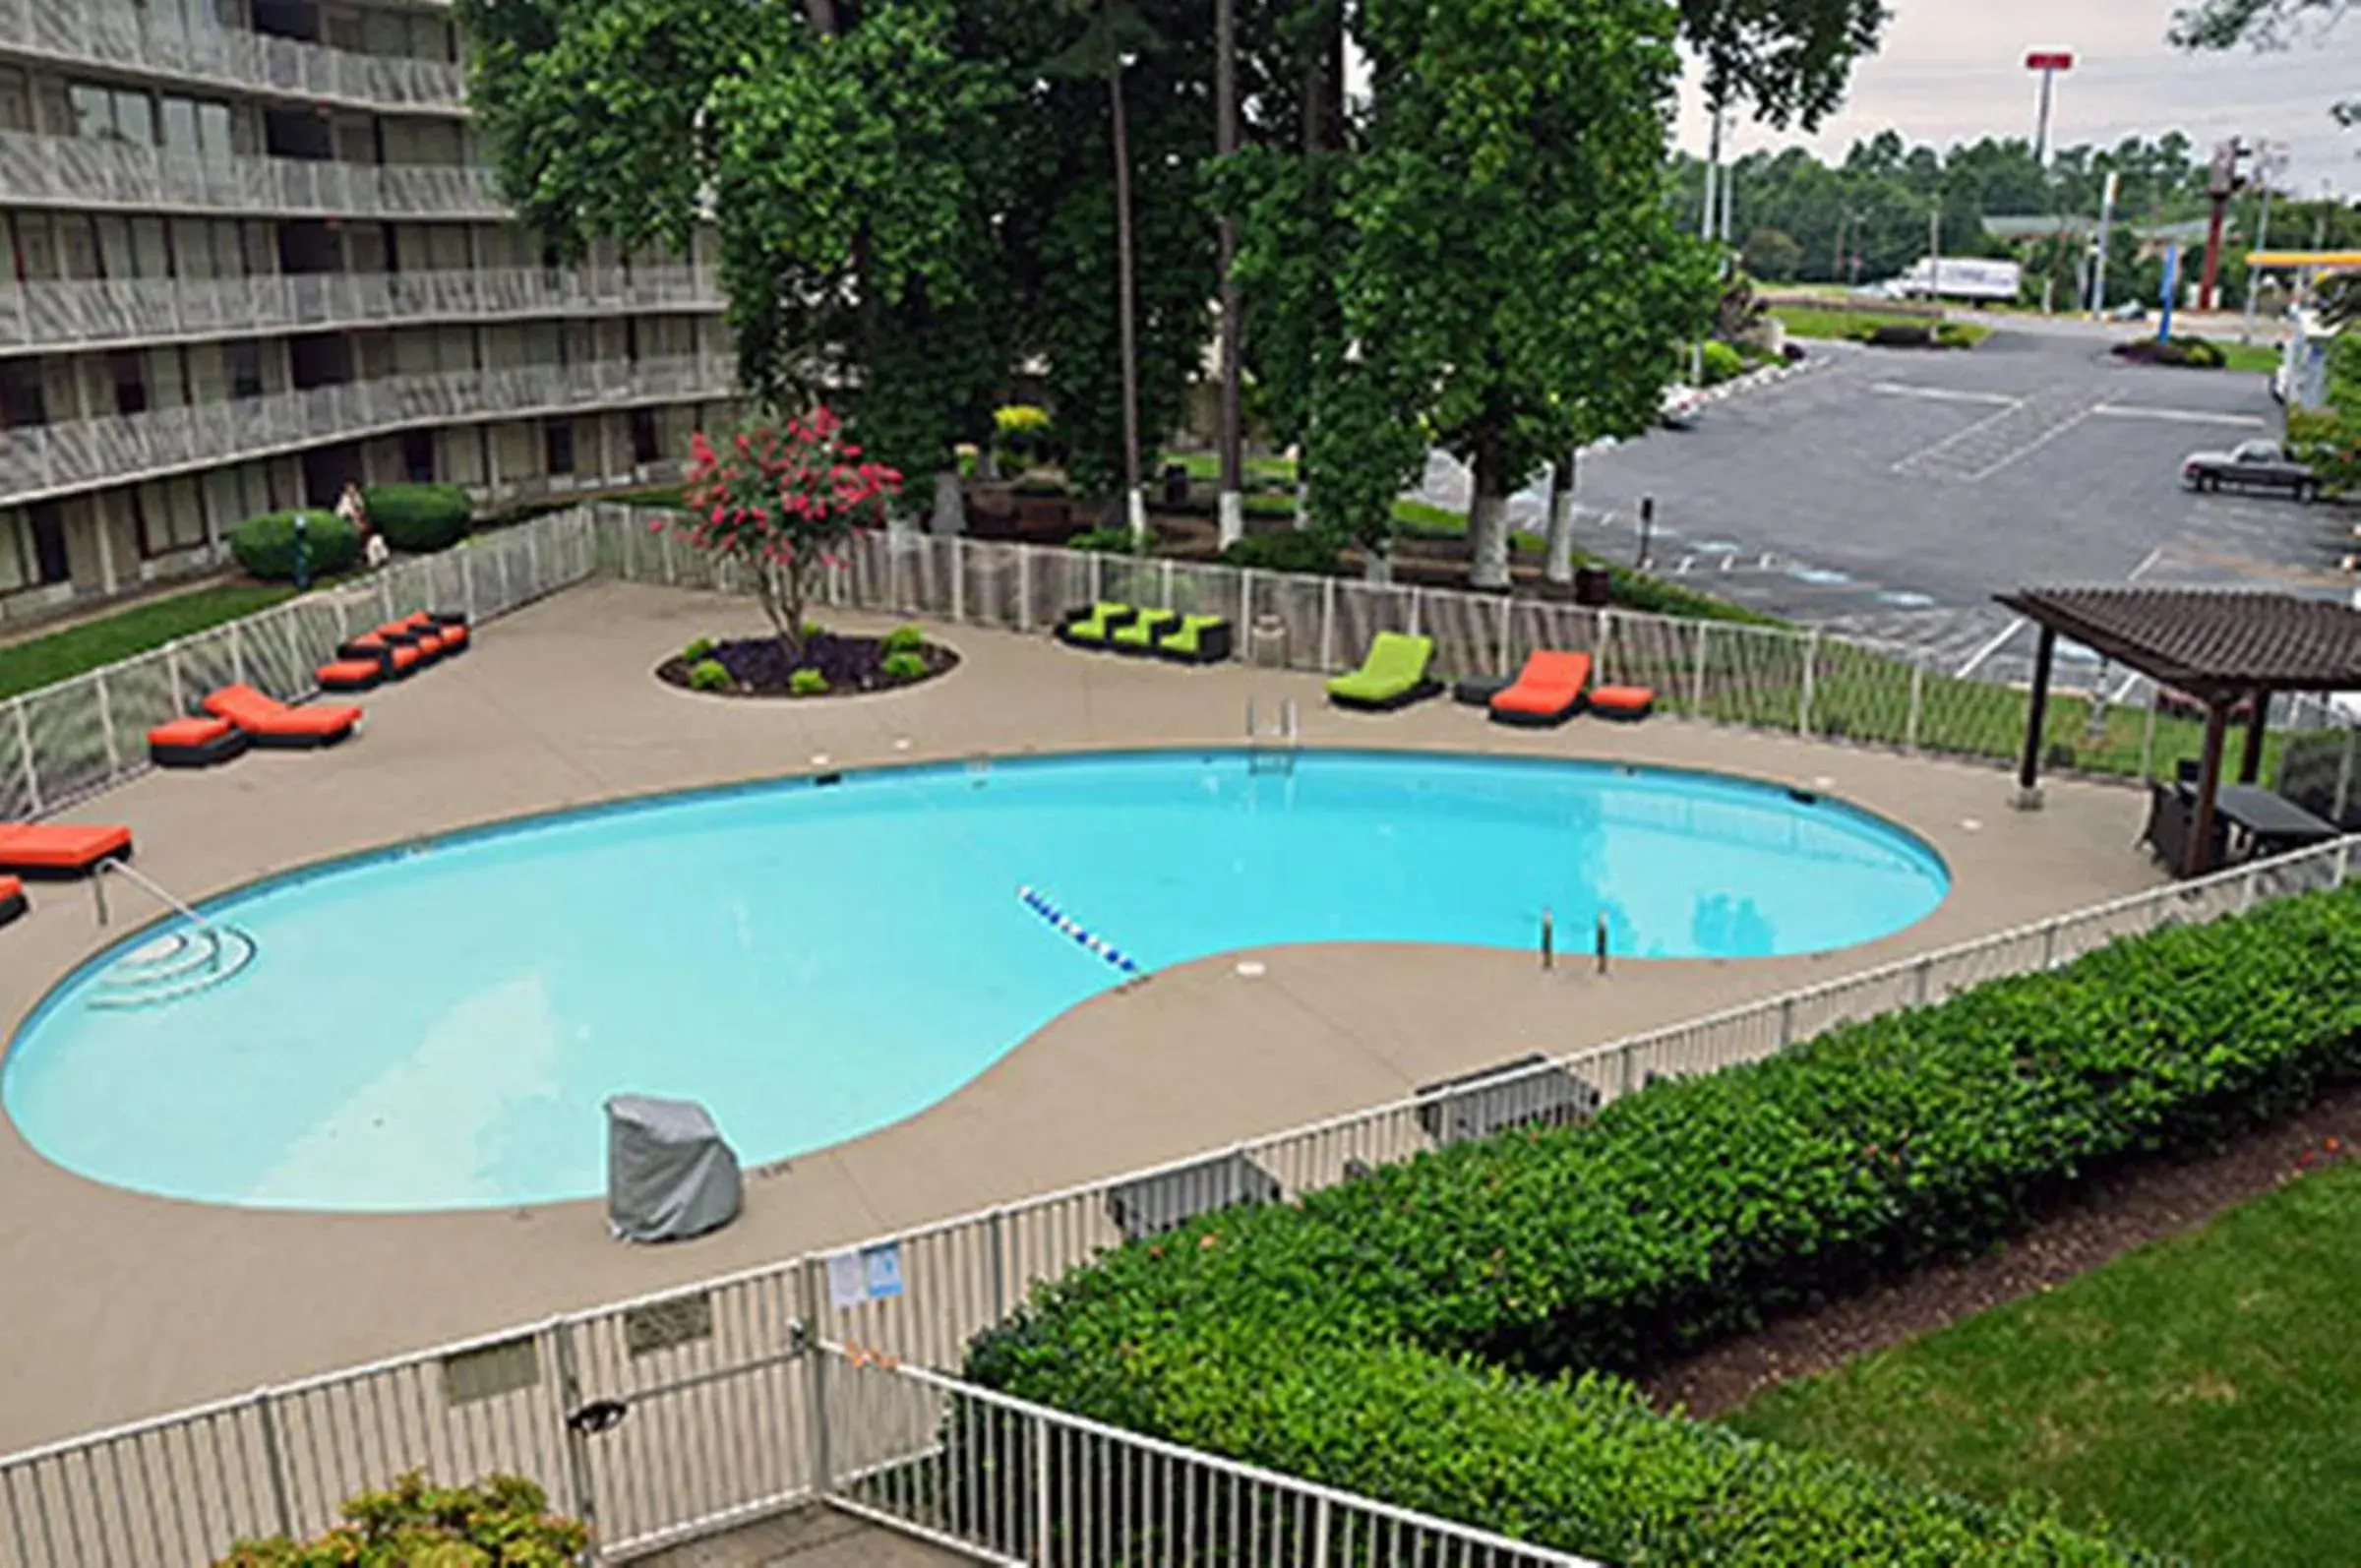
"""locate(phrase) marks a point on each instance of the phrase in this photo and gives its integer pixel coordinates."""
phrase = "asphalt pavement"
(1890, 493)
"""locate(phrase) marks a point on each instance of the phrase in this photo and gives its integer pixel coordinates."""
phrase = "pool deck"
(118, 1306)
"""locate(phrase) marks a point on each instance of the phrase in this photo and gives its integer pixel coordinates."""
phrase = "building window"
(245, 363)
(32, 546)
(112, 114)
(418, 455)
(131, 381)
(646, 446)
(21, 401)
(171, 517)
(556, 446)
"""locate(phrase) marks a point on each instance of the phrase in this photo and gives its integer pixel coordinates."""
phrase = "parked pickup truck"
(2252, 466)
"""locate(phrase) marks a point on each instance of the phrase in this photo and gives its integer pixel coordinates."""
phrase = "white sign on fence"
(867, 1274)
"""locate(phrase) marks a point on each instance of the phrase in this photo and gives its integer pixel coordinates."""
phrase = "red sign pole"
(2049, 63)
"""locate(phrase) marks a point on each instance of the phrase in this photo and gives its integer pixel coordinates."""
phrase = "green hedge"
(1406, 1335)
(266, 545)
(1285, 550)
(1720, 362)
(419, 518)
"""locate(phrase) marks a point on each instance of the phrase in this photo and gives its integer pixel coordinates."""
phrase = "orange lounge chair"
(195, 743)
(1623, 704)
(12, 899)
(59, 849)
(350, 675)
(1547, 691)
(272, 722)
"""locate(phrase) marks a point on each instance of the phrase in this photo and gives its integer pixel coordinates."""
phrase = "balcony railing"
(42, 459)
(128, 36)
(85, 171)
(89, 312)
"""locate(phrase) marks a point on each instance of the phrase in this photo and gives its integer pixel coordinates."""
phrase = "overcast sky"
(1954, 70)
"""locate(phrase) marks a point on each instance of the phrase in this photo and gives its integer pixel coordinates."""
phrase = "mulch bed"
(2123, 1211)
(853, 665)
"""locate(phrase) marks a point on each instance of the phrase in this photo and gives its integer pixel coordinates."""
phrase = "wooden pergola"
(2218, 646)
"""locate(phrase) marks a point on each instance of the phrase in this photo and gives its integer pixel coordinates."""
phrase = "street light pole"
(1232, 505)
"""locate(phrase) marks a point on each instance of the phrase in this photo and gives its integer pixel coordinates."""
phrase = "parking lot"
(1892, 493)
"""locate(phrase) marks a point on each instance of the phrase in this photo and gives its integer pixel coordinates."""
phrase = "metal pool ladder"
(1272, 751)
(179, 963)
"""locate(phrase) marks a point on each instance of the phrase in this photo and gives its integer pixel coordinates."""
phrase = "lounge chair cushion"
(403, 659)
(1095, 624)
(12, 899)
(1199, 639)
(273, 723)
(195, 743)
(454, 636)
(1623, 702)
(60, 849)
(1139, 634)
(350, 675)
(1393, 674)
(1549, 688)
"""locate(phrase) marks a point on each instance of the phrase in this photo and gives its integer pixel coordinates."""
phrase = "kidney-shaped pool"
(437, 1026)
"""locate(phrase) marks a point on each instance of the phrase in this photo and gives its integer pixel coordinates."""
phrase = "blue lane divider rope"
(1039, 904)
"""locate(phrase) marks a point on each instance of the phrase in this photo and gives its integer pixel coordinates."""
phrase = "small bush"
(1954, 334)
(1289, 550)
(2192, 353)
(905, 666)
(807, 683)
(1720, 362)
(1114, 541)
(503, 1520)
(2203, 354)
(266, 545)
(905, 639)
(419, 518)
(700, 649)
(813, 629)
(1898, 334)
(1041, 488)
(708, 674)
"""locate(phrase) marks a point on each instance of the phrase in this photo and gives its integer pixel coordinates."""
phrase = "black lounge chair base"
(196, 742)
(12, 900)
(1214, 644)
(447, 617)
(1534, 721)
(1417, 693)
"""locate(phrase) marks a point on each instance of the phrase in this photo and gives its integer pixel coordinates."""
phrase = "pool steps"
(172, 967)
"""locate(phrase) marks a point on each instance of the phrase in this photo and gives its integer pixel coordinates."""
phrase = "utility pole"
(2049, 62)
(1835, 263)
(2220, 184)
(1934, 251)
(1713, 173)
(2267, 161)
(2098, 245)
(1233, 506)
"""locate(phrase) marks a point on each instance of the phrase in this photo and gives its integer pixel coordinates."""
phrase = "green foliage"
(700, 648)
(807, 683)
(2328, 440)
(502, 1522)
(1025, 433)
(905, 639)
(1773, 254)
(2226, 1355)
(1113, 539)
(709, 675)
(2185, 349)
(419, 518)
(1722, 362)
(1956, 335)
(905, 667)
(1286, 550)
(55, 656)
(266, 545)
(1338, 1338)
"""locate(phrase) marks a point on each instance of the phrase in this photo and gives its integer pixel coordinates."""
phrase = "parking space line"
(2030, 448)
(2178, 416)
(1944, 394)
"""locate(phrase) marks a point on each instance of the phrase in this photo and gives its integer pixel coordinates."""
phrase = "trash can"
(1593, 586)
(1176, 485)
(1266, 642)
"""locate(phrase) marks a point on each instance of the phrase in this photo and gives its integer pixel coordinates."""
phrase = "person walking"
(355, 511)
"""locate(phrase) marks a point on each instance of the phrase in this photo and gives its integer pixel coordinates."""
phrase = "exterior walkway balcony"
(131, 37)
(79, 313)
(83, 172)
(38, 460)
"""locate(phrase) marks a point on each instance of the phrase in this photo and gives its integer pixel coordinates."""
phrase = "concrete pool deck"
(118, 1306)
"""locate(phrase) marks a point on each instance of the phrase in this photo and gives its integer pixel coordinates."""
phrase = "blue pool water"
(438, 1027)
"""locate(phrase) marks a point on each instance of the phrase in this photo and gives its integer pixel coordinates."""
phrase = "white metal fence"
(118, 33)
(39, 459)
(2100, 722)
(86, 310)
(64, 741)
(679, 1414)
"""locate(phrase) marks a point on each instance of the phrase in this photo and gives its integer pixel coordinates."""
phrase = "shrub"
(1898, 334)
(807, 683)
(1112, 541)
(1720, 362)
(2203, 354)
(709, 675)
(419, 518)
(1286, 550)
(1954, 334)
(700, 649)
(906, 666)
(905, 639)
(1337, 1338)
(266, 545)
(503, 1520)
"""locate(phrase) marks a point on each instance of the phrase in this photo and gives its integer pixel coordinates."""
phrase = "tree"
(1790, 58)
(783, 504)
(1773, 254)
(2259, 24)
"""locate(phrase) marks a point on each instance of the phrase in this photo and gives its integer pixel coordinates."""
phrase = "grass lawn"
(2254, 358)
(1807, 320)
(2199, 1394)
(62, 655)
(1205, 467)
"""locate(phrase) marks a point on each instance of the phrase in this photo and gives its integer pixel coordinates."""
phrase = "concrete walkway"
(118, 1306)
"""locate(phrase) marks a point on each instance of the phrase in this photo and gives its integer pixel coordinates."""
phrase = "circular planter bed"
(831, 665)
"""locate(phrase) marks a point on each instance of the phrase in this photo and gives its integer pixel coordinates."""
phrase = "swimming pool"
(438, 1026)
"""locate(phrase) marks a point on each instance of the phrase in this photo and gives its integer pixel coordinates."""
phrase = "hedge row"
(419, 518)
(266, 545)
(1402, 1336)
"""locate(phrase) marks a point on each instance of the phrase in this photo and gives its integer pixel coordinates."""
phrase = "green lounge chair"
(1140, 633)
(1201, 639)
(1393, 675)
(1091, 628)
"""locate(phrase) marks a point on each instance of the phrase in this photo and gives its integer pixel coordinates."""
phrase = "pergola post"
(2249, 765)
(2036, 722)
(2208, 786)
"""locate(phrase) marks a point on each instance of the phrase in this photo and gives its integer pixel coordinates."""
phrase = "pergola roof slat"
(2210, 642)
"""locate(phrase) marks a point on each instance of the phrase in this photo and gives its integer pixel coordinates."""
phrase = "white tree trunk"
(1135, 513)
(1559, 565)
(950, 502)
(1487, 532)
(1377, 568)
(1234, 517)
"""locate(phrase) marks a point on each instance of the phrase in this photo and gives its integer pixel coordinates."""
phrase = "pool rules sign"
(868, 1274)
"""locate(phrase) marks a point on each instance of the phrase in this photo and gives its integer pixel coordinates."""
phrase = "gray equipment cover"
(669, 1175)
